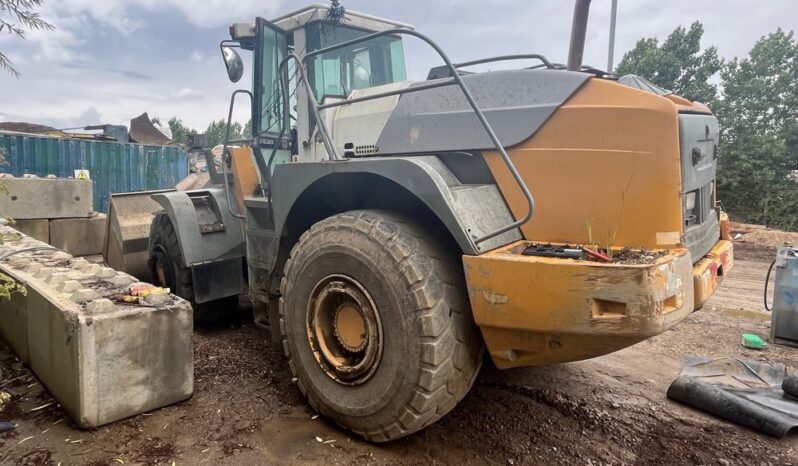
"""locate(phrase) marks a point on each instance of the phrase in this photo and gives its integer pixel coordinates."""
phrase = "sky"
(110, 60)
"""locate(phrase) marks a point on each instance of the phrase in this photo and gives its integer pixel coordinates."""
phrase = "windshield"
(367, 64)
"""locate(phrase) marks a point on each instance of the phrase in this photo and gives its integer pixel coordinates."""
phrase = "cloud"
(79, 119)
(124, 73)
(123, 16)
(196, 56)
(187, 94)
(124, 57)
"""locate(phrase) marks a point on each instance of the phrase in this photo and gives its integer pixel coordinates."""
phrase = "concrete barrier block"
(32, 198)
(35, 228)
(79, 236)
(101, 360)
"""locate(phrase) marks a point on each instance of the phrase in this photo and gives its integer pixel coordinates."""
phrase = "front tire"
(167, 270)
(376, 324)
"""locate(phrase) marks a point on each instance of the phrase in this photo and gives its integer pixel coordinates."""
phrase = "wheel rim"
(160, 264)
(344, 329)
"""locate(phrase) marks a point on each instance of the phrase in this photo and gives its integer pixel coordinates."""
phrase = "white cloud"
(120, 14)
(99, 57)
(196, 56)
(187, 93)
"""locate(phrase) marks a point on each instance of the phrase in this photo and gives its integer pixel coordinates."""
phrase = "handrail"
(522, 56)
(300, 66)
(456, 79)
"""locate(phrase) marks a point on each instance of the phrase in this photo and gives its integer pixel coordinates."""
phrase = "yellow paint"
(709, 271)
(560, 310)
(609, 157)
(725, 232)
(245, 177)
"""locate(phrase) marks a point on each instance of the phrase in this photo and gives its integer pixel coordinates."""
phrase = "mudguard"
(467, 210)
(206, 230)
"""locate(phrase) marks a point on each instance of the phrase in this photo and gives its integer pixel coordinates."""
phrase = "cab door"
(270, 120)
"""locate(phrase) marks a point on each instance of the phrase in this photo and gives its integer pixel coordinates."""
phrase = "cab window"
(367, 64)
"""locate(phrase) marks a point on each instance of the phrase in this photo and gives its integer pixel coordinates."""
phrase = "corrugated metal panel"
(114, 167)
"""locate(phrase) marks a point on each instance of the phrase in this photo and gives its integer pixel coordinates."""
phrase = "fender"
(205, 228)
(467, 210)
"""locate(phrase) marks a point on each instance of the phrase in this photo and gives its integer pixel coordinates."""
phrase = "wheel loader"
(394, 233)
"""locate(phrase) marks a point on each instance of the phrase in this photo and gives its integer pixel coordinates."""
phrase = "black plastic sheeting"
(748, 393)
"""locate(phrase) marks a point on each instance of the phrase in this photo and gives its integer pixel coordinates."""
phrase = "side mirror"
(234, 64)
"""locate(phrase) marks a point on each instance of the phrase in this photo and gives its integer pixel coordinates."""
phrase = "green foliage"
(180, 131)
(8, 285)
(678, 64)
(757, 107)
(759, 144)
(214, 134)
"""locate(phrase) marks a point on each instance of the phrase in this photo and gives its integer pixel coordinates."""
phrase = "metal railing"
(456, 79)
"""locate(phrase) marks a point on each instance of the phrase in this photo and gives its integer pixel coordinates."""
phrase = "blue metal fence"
(114, 167)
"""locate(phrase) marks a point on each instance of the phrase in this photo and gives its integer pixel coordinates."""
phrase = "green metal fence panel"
(114, 167)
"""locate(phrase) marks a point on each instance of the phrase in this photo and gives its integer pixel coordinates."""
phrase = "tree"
(678, 64)
(759, 144)
(215, 133)
(17, 16)
(180, 131)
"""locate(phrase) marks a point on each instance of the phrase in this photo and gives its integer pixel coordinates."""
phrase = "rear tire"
(413, 305)
(167, 270)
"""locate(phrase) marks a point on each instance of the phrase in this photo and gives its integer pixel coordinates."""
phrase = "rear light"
(689, 201)
(690, 210)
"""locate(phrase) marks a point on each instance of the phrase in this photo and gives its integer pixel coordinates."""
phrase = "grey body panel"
(466, 210)
(223, 239)
(699, 136)
(516, 103)
(218, 279)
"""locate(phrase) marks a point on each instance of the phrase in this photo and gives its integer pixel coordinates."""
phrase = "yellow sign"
(82, 175)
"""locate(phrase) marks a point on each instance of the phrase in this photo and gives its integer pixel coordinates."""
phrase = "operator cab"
(332, 76)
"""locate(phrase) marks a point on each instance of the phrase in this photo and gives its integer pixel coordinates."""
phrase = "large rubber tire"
(164, 249)
(431, 352)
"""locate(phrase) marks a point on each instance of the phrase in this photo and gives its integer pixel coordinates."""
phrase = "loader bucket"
(128, 235)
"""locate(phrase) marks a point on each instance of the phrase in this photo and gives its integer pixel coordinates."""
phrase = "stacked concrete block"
(37, 198)
(54, 210)
(79, 236)
(103, 360)
(36, 228)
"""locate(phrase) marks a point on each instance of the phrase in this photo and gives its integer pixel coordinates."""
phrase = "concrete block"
(36, 228)
(79, 236)
(30, 198)
(84, 295)
(14, 324)
(102, 361)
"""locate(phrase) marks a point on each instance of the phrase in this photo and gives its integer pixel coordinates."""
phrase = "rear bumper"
(536, 310)
(709, 271)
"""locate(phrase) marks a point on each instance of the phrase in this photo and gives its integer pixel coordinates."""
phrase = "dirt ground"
(609, 410)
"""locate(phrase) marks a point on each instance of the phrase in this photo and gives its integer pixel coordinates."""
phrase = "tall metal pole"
(611, 51)
(578, 34)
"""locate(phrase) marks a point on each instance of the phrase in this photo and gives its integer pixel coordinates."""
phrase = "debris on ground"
(762, 235)
(753, 341)
(745, 392)
(5, 426)
(790, 386)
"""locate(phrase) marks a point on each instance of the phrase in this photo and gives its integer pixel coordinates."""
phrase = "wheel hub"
(344, 329)
(350, 327)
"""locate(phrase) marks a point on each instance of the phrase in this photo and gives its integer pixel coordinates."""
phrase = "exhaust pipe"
(578, 34)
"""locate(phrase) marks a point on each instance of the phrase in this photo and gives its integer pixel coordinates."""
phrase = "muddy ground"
(610, 410)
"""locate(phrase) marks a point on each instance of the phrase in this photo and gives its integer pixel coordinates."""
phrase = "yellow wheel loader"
(389, 231)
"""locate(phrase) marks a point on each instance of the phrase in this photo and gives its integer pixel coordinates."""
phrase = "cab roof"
(318, 12)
